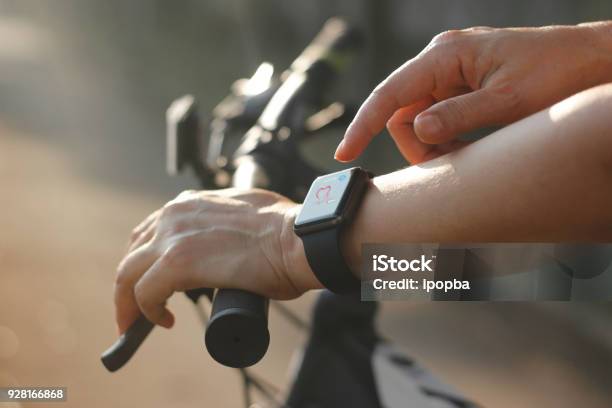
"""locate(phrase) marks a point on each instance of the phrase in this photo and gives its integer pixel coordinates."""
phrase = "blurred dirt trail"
(60, 240)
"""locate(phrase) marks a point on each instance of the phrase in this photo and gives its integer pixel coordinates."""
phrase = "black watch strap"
(330, 268)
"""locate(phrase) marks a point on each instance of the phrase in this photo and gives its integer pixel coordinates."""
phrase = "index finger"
(412, 81)
(133, 266)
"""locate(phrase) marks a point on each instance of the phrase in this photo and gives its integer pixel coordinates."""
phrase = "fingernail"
(167, 320)
(339, 149)
(428, 125)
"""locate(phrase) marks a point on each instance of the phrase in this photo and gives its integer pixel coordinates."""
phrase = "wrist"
(354, 233)
(350, 245)
(294, 256)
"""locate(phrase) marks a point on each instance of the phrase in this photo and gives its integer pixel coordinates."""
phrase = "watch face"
(323, 200)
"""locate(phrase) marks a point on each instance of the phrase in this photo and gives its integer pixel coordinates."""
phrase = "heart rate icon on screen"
(323, 193)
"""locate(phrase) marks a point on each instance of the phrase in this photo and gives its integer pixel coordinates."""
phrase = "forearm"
(545, 178)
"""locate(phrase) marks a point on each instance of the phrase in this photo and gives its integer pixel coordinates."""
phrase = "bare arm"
(545, 178)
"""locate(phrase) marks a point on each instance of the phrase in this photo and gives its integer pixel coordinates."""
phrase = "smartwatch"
(330, 204)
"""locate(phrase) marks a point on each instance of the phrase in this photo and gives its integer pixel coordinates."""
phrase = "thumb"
(450, 118)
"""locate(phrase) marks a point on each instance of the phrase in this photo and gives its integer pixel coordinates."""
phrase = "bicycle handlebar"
(237, 333)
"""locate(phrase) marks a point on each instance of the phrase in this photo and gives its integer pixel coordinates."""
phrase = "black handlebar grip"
(124, 348)
(237, 333)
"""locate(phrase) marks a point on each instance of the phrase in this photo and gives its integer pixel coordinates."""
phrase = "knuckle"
(167, 209)
(390, 126)
(177, 254)
(180, 226)
(479, 29)
(393, 126)
(175, 207)
(447, 36)
(254, 194)
(507, 92)
(373, 116)
(453, 113)
(186, 193)
(144, 302)
(385, 89)
(134, 234)
(139, 294)
(379, 90)
(121, 278)
(451, 42)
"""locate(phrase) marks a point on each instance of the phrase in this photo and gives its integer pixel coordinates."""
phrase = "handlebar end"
(110, 361)
(237, 335)
(124, 348)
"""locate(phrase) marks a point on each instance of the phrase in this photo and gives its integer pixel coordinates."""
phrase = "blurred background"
(83, 89)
